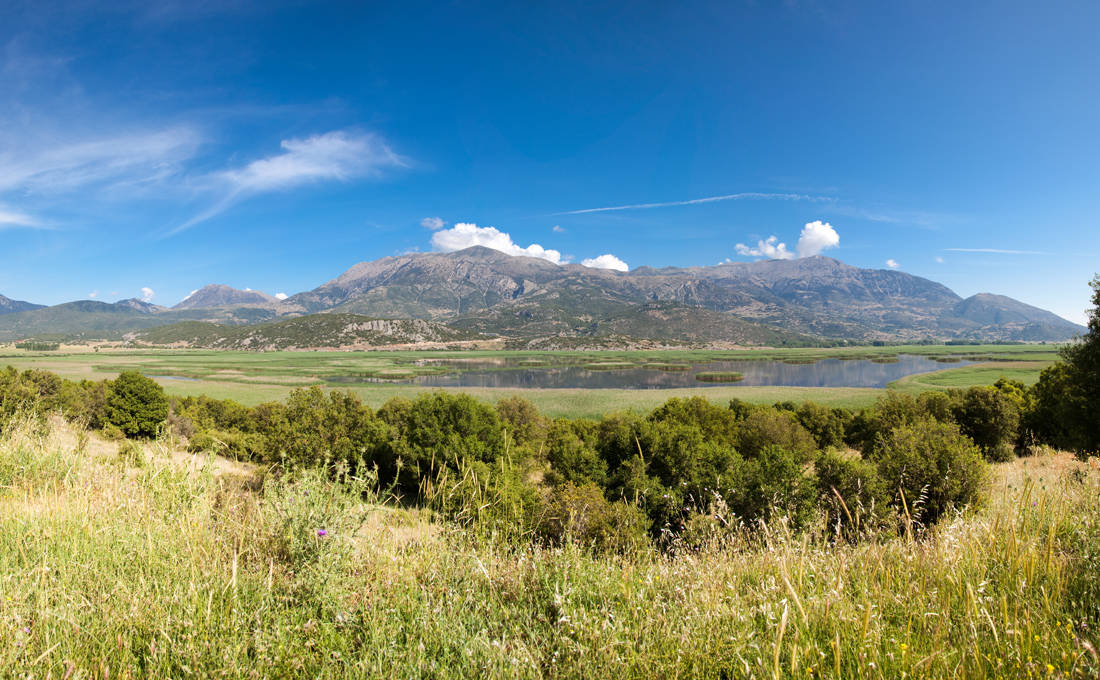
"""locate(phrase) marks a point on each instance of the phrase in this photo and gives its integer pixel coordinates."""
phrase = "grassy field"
(155, 564)
(254, 377)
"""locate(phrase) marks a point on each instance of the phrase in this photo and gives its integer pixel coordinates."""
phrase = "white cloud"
(281, 296)
(147, 294)
(892, 263)
(939, 260)
(94, 294)
(464, 235)
(433, 223)
(815, 237)
(769, 248)
(189, 295)
(606, 261)
(557, 229)
(333, 156)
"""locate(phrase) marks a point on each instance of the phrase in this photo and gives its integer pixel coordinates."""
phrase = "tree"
(136, 405)
(1067, 396)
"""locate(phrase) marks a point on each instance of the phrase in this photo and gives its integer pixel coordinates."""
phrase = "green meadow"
(255, 377)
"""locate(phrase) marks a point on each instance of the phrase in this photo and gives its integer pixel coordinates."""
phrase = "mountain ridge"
(524, 298)
(10, 306)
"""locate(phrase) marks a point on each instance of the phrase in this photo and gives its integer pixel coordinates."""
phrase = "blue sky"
(267, 145)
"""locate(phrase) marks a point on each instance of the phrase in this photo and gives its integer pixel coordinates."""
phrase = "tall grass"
(176, 569)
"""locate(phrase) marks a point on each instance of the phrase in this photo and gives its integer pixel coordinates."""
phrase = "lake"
(821, 373)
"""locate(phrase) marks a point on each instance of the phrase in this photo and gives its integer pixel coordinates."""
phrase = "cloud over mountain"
(816, 237)
(465, 235)
(606, 261)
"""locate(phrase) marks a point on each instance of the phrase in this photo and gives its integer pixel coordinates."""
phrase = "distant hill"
(316, 330)
(94, 320)
(9, 306)
(217, 295)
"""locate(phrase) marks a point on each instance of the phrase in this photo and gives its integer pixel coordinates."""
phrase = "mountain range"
(534, 302)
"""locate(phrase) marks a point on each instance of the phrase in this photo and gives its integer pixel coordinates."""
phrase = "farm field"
(253, 377)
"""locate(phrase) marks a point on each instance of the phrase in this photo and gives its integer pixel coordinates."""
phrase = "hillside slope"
(315, 330)
(9, 306)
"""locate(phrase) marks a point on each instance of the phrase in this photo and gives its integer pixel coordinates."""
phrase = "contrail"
(708, 199)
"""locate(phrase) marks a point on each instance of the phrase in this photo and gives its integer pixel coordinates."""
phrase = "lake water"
(823, 373)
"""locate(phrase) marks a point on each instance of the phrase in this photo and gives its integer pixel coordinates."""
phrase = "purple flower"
(322, 532)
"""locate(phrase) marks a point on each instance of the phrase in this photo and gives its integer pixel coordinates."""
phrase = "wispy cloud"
(996, 251)
(12, 219)
(74, 164)
(333, 156)
(745, 196)
(433, 223)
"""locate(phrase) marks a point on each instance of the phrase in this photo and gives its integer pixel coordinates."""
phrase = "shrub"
(825, 425)
(444, 430)
(774, 483)
(315, 429)
(990, 418)
(571, 458)
(852, 494)
(933, 465)
(718, 425)
(766, 427)
(523, 421)
(136, 405)
(583, 515)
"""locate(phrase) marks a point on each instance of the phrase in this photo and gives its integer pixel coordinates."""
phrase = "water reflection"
(824, 373)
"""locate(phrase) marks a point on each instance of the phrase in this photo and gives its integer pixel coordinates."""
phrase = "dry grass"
(176, 569)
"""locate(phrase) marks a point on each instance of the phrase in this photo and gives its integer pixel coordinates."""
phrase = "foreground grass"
(154, 566)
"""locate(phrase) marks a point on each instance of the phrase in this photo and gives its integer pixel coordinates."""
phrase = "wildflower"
(1050, 669)
(322, 533)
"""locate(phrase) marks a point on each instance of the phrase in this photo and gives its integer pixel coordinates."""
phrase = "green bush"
(571, 458)
(440, 430)
(766, 427)
(990, 418)
(581, 514)
(931, 467)
(851, 493)
(319, 429)
(774, 484)
(136, 405)
(826, 425)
